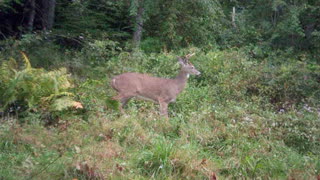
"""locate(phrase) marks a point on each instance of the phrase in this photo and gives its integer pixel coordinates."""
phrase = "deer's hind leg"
(124, 99)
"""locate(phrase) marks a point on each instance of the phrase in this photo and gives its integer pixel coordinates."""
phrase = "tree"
(29, 14)
(24, 16)
(181, 23)
(47, 13)
(138, 23)
(38, 14)
(276, 23)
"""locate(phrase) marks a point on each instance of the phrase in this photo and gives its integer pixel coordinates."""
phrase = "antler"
(185, 59)
(189, 55)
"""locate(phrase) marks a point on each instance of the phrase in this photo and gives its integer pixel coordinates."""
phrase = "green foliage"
(286, 82)
(155, 160)
(173, 24)
(292, 82)
(43, 52)
(300, 134)
(185, 23)
(100, 50)
(34, 89)
(151, 45)
(253, 113)
(280, 23)
(6, 5)
(94, 18)
(93, 94)
(289, 31)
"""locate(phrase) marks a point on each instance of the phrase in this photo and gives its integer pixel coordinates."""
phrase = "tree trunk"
(137, 35)
(29, 15)
(47, 13)
(233, 17)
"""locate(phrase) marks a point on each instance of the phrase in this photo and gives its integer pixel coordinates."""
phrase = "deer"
(159, 90)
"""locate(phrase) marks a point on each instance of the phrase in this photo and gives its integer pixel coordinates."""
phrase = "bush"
(151, 45)
(98, 52)
(288, 84)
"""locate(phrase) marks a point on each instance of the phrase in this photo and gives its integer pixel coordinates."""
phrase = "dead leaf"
(203, 162)
(77, 149)
(90, 172)
(120, 168)
(77, 105)
(213, 176)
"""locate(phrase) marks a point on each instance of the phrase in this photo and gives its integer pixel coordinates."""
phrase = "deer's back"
(143, 85)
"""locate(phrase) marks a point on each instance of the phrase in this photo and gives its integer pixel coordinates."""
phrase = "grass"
(223, 125)
(142, 146)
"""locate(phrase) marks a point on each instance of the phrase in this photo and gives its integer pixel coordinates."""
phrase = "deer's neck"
(182, 76)
(181, 79)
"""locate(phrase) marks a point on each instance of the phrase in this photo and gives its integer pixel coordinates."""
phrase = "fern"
(62, 103)
(35, 88)
(26, 60)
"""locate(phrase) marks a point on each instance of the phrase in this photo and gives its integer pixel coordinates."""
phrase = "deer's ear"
(181, 61)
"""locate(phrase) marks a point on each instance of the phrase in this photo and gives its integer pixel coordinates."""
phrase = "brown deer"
(159, 90)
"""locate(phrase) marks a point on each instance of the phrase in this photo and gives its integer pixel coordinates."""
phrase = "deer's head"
(186, 65)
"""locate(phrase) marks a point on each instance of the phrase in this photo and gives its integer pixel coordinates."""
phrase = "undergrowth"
(241, 119)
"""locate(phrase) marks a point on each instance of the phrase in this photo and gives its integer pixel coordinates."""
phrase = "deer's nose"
(198, 73)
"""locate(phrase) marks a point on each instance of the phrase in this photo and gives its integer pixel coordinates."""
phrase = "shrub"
(290, 83)
(151, 45)
(97, 52)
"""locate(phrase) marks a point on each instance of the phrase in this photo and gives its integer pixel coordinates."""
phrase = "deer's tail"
(113, 83)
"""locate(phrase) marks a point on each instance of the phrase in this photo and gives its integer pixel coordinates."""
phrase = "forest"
(249, 110)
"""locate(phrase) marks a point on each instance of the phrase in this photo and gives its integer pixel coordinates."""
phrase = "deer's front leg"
(163, 108)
